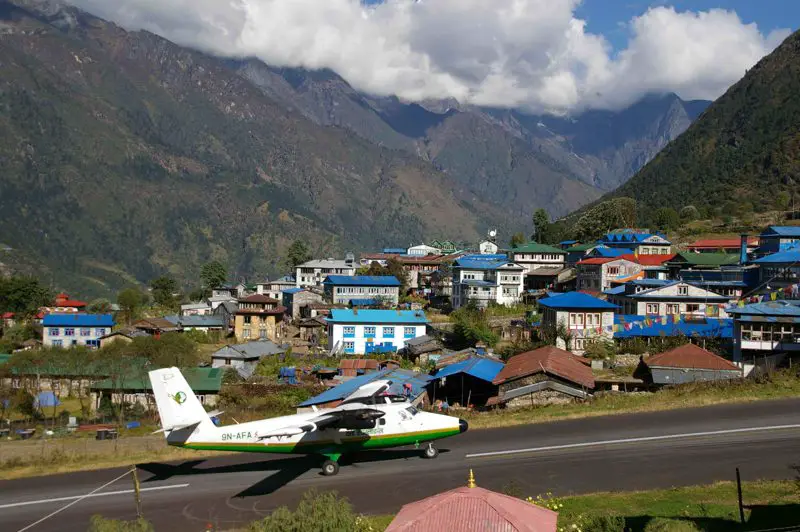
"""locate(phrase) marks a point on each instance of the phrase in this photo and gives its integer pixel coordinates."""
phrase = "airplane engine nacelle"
(361, 424)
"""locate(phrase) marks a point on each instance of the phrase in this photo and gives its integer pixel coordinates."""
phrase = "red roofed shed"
(688, 363)
(473, 508)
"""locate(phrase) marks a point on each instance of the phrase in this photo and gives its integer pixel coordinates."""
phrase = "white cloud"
(506, 53)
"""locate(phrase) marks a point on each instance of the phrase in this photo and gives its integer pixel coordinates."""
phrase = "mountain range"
(126, 156)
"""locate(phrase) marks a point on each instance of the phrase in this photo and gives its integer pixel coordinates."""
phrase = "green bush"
(98, 523)
(661, 524)
(316, 512)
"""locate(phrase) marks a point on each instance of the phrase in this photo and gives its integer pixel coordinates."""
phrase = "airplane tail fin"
(178, 407)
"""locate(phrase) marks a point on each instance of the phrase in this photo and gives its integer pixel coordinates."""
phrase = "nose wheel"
(330, 468)
(430, 452)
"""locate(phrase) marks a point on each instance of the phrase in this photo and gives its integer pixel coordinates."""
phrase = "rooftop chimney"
(743, 250)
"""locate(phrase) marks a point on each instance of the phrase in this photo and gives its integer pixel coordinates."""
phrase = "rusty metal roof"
(549, 360)
(473, 509)
(690, 356)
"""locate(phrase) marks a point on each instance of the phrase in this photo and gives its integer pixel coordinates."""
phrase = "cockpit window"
(411, 410)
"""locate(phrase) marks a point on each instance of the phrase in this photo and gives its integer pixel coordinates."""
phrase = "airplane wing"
(370, 389)
(356, 418)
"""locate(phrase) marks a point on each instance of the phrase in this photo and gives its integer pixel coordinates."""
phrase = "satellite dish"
(492, 233)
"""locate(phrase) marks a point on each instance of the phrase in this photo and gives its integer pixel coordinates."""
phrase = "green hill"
(742, 154)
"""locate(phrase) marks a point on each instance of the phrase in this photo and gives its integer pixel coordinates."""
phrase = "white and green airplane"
(366, 419)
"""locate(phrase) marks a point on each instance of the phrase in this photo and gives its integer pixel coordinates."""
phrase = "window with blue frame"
(93, 343)
(69, 331)
(409, 332)
(58, 343)
(349, 347)
(86, 332)
(388, 332)
(369, 331)
(54, 331)
(349, 332)
(100, 331)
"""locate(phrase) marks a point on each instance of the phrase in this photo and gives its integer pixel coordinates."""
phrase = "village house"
(640, 241)
(8, 320)
(423, 348)
(488, 247)
(295, 298)
(63, 304)
(701, 262)
(204, 382)
(779, 270)
(354, 331)
(381, 289)
(585, 317)
(230, 290)
(577, 253)
(468, 383)
(597, 274)
(124, 335)
(314, 272)
(156, 326)
(197, 309)
(257, 317)
(208, 324)
(486, 279)
(723, 245)
(71, 329)
(422, 250)
(765, 328)
(686, 363)
(274, 288)
(312, 329)
(542, 264)
(777, 238)
(669, 298)
(547, 375)
(244, 358)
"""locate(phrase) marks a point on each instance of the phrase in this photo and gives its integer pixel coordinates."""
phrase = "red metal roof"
(648, 260)
(8, 315)
(549, 360)
(691, 356)
(258, 298)
(598, 260)
(358, 363)
(717, 243)
(473, 509)
(70, 303)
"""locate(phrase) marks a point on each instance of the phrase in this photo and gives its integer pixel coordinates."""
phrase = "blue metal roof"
(399, 377)
(364, 302)
(567, 242)
(78, 320)
(371, 316)
(651, 282)
(782, 307)
(708, 327)
(782, 230)
(362, 280)
(292, 290)
(606, 252)
(400, 251)
(616, 290)
(781, 257)
(481, 262)
(575, 300)
(628, 236)
(480, 368)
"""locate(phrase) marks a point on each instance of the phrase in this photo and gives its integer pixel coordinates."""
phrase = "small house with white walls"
(314, 272)
(487, 247)
(367, 331)
(72, 329)
(599, 274)
(765, 328)
(486, 279)
(671, 298)
(641, 242)
(585, 317)
(423, 250)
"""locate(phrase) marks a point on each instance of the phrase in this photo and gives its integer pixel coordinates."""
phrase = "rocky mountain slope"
(125, 156)
(742, 154)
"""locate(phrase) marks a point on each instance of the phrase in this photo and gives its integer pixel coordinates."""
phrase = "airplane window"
(411, 410)
(381, 421)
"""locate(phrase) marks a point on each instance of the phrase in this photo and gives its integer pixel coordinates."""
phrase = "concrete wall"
(360, 337)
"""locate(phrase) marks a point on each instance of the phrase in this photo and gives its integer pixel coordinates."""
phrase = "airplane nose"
(462, 425)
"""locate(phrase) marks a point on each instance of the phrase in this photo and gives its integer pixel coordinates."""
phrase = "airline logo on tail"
(179, 398)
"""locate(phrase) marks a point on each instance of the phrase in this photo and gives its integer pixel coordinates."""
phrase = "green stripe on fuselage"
(310, 447)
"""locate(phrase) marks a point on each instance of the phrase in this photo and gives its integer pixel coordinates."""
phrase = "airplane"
(368, 418)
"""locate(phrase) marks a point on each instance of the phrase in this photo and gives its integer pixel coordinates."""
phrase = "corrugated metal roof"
(603, 251)
(782, 257)
(706, 259)
(377, 316)
(78, 320)
(293, 290)
(707, 327)
(550, 360)
(534, 247)
(781, 307)
(615, 290)
(473, 509)
(782, 230)
(690, 356)
(480, 368)
(575, 300)
(255, 349)
(398, 377)
(196, 321)
(203, 380)
(362, 280)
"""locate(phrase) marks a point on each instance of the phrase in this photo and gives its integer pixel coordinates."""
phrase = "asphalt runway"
(610, 453)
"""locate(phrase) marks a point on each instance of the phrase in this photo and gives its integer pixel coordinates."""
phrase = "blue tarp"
(399, 377)
(46, 399)
(480, 368)
(289, 374)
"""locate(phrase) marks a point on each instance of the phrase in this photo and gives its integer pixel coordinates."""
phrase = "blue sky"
(604, 16)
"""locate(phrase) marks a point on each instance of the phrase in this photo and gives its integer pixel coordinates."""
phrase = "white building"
(598, 273)
(671, 298)
(486, 279)
(314, 272)
(69, 330)
(274, 288)
(488, 247)
(532, 256)
(765, 328)
(423, 250)
(197, 309)
(586, 318)
(360, 289)
(360, 332)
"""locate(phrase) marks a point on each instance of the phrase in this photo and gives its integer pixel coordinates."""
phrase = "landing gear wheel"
(330, 468)
(430, 452)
